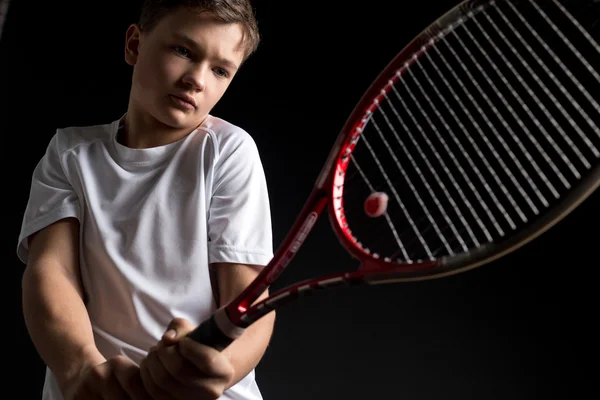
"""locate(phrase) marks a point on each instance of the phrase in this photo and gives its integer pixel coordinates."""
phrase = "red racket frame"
(327, 192)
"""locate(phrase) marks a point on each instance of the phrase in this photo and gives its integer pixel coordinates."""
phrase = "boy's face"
(182, 67)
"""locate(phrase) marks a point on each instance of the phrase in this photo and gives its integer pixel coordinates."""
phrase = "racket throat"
(225, 325)
(368, 265)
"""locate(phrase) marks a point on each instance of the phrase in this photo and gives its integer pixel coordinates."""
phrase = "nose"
(195, 77)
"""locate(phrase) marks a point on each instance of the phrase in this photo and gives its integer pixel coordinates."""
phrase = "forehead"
(200, 26)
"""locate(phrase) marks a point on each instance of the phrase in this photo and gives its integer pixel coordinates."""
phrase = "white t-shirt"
(151, 222)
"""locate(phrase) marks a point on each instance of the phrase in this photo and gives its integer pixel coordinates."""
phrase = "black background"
(519, 328)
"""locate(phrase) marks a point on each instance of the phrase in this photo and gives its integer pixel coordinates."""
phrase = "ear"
(132, 43)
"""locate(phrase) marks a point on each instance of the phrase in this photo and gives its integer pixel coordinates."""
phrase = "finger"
(155, 379)
(210, 361)
(168, 338)
(177, 329)
(128, 376)
(193, 380)
(177, 366)
(184, 371)
(113, 391)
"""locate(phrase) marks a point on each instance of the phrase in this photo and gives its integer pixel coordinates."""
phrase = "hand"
(116, 379)
(178, 368)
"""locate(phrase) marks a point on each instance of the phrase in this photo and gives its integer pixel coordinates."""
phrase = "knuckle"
(119, 361)
(210, 363)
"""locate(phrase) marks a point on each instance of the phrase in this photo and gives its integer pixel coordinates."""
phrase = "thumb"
(177, 329)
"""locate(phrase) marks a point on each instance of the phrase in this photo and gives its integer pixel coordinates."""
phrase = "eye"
(182, 51)
(221, 72)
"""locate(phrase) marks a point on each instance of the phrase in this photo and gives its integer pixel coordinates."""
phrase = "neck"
(141, 131)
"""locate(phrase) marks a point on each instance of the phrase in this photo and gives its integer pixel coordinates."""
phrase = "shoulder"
(228, 138)
(70, 138)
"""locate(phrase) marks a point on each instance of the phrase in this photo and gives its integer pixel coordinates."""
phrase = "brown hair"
(225, 11)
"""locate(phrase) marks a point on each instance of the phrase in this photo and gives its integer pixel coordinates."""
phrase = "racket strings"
(523, 105)
(546, 91)
(504, 123)
(480, 134)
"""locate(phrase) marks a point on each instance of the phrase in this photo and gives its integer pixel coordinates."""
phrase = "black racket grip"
(208, 333)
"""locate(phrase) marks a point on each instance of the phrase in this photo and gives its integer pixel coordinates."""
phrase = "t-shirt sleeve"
(239, 222)
(51, 196)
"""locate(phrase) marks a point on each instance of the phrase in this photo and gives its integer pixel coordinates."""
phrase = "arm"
(244, 353)
(53, 306)
(59, 324)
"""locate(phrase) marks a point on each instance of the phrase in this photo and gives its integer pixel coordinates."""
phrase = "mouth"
(184, 101)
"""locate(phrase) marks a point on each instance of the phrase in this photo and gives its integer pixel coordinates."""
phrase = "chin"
(176, 119)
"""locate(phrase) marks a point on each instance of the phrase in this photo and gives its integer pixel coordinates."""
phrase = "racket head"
(332, 187)
(381, 267)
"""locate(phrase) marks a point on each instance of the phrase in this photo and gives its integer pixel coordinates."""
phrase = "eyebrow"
(192, 43)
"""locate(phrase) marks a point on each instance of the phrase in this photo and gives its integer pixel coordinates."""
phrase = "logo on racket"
(300, 237)
(304, 230)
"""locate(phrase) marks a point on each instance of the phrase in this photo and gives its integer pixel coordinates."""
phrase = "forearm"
(246, 352)
(58, 322)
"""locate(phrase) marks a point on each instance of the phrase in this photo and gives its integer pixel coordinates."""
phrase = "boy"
(127, 223)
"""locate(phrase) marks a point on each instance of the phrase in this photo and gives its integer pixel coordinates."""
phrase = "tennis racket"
(481, 134)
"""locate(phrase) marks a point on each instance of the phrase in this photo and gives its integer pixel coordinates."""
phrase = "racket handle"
(217, 332)
(208, 333)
